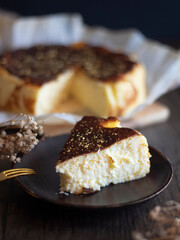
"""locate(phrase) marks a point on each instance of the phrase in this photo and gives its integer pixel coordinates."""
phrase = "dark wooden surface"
(24, 217)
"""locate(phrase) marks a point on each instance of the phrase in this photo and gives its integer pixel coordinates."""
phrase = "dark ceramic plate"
(45, 185)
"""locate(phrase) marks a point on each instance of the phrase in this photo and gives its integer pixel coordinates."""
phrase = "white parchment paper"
(162, 62)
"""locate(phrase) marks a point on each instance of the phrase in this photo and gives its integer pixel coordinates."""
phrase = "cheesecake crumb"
(88, 190)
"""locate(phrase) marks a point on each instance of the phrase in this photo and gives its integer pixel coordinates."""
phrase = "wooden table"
(24, 217)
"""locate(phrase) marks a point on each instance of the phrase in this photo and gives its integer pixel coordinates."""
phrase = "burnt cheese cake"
(99, 152)
(36, 80)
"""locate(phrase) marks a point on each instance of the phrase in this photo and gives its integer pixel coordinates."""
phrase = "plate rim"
(106, 206)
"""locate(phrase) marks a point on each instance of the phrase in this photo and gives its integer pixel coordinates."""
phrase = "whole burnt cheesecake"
(38, 79)
(99, 152)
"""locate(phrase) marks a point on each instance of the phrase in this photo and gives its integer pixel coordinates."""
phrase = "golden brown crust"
(128, 102)
(89, 135)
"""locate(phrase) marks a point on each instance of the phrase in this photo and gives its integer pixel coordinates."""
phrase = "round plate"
(45, 185)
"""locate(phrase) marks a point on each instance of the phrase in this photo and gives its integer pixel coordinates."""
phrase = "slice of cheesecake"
(40, 79)
(100, 152)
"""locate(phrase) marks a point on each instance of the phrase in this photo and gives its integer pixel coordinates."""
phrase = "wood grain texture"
(24, 217)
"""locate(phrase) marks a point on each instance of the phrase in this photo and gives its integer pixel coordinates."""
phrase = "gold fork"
(11, 173)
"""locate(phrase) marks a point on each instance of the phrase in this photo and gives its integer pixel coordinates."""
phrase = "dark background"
(157, 19)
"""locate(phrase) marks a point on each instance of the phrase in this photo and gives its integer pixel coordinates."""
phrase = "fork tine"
(20, 174)
(7, 174)
(16, 170)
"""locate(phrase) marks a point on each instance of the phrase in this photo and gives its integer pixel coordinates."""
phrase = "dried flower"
(165, 223)
(19, 136)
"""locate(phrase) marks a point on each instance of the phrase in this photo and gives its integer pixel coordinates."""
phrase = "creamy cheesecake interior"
(17, 96)
(99, 152)
(38, 79)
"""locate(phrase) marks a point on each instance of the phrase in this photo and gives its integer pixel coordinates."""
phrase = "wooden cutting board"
(153, 114)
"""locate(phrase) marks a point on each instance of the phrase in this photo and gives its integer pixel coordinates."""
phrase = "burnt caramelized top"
(89, 135)
(41, 64)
